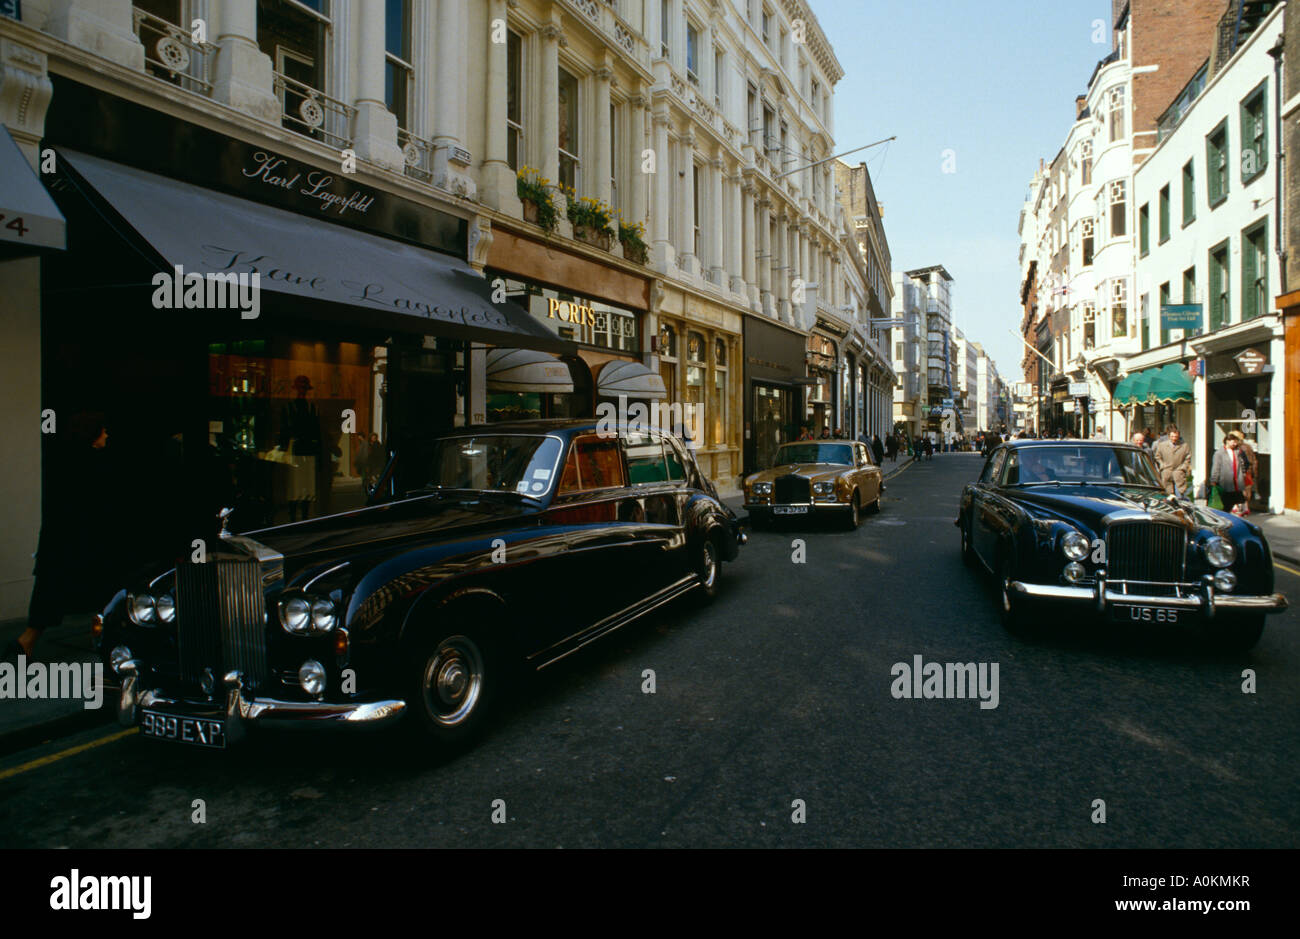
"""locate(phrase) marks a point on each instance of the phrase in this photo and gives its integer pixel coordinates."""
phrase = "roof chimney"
(1079, 104)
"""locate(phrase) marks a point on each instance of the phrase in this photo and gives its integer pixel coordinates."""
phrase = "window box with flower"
(591, 218)
(632, 238)
(534, 191)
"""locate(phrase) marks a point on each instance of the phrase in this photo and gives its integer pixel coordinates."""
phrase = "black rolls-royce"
(522, 543)
(1087, 524)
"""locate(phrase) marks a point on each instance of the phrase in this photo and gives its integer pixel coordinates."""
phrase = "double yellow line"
(64, 754)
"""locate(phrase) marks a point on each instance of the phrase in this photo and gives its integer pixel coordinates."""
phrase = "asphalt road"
(778, 691)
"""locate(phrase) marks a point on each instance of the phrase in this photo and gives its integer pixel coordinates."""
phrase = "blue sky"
(993, 82)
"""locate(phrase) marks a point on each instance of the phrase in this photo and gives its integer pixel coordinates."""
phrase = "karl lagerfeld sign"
(276, 171)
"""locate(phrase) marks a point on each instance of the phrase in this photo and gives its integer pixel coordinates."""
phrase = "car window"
(645, 459)
(864, 459)
(676, 463)
(593, 463)
(993, 466)
(1009, 474)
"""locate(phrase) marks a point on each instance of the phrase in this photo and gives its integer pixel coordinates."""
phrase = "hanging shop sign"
(1180, 316)
(1251, 361)
(1237, 363)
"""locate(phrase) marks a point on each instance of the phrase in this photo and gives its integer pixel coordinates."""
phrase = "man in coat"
(1228, 472)
(1173, 460)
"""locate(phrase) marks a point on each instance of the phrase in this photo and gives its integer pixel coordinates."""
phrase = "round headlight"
(295, 614)
(1225, 581)
(118, 656)
(823, 488)
(1220, 551)
(312, 677)
(142, 609)
(323, 618)
(1075, 546)
(762, 489)
(1074, 572)
(166, 607)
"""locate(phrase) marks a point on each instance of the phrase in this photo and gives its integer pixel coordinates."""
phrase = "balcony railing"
(172, 55)
(417, 155)
(311, 112)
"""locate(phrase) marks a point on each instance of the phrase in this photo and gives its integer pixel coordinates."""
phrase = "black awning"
(29, 219)
(207, 232)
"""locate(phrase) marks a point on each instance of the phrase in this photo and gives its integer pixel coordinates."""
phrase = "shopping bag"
(1216, 499)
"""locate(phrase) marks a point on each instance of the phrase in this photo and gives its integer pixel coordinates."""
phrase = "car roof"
(561, 426)
(791, 443)
(1069, 442)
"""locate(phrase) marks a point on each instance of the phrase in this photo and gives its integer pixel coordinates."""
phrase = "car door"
(867, 474)
(659, 533)
(983, 508)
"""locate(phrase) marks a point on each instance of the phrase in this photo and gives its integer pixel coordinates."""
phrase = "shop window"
(593, 463)
(718, 395)
(570, 165)
(696, 373)
(668, 358)
(645, 459)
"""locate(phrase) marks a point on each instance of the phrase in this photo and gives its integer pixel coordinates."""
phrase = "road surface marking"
(63, 754)
(1289, 570)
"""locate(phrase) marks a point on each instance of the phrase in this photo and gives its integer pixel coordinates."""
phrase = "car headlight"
(295, 615)
(142, 608)
(323, 617)
(762, 489)
(1220, 552)
(1225, 581)
(824, 488)
(166, 608)
(1074, 572)
(311, 676)
(1075, 546)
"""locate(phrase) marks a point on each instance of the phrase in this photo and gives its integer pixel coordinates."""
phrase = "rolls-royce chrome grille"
(1146, 551)
(791, 489)
(221, 619)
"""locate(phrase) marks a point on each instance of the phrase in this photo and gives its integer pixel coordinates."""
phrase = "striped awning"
(527, 370)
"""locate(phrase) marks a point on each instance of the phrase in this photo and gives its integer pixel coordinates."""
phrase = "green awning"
(1140, 383)
(1120, 394)
(1170, 384)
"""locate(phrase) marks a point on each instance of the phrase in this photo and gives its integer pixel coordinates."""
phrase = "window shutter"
(1248, 272)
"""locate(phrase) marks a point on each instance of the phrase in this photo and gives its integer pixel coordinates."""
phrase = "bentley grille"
(791, 489)
(221, 619)
(1146, 551)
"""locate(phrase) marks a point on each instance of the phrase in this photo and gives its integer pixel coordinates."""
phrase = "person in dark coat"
(877, 449)
(74, 571)
(891, 447)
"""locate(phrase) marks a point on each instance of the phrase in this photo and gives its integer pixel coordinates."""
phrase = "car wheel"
(853, 517)
(874, 507)
(1014, 611)
(1237, 634)
(967, 552)
(708, 568)
(452, 686)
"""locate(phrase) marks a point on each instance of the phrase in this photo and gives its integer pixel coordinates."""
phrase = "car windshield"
(815, 453)
(1084, 464)
(519, 463)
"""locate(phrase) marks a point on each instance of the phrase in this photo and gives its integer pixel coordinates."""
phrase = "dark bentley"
(1087, 524)
(521, 544)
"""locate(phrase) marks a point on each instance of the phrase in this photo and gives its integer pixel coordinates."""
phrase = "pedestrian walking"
(891, 447)
(1228, 472)
(877, 449)
(1174, 461)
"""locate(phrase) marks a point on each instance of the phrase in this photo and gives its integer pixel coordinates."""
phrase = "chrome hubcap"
(710, 572)
(453, 680)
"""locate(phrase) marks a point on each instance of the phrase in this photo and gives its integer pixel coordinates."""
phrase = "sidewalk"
(26, 722)
(1283, 534)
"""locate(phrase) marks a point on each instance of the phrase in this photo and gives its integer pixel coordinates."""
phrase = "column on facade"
(717, 223)
(736, 233)
(547, 147)
(660, 235)
(636, 205)
(448, 127)
(749, 247)
(765, 260)
(243, 76)
(782, 262)
(496, 179)
(601, 79)
(686, 202)
(374, 127)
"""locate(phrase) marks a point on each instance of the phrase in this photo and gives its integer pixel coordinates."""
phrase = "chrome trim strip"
(1274, 603)
(282, 715)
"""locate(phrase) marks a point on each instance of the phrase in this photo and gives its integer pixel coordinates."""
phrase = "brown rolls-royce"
(816, 477)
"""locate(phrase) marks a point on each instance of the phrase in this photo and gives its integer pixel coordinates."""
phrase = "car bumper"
(242, 711)
(1101, 595)
(767, 510)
